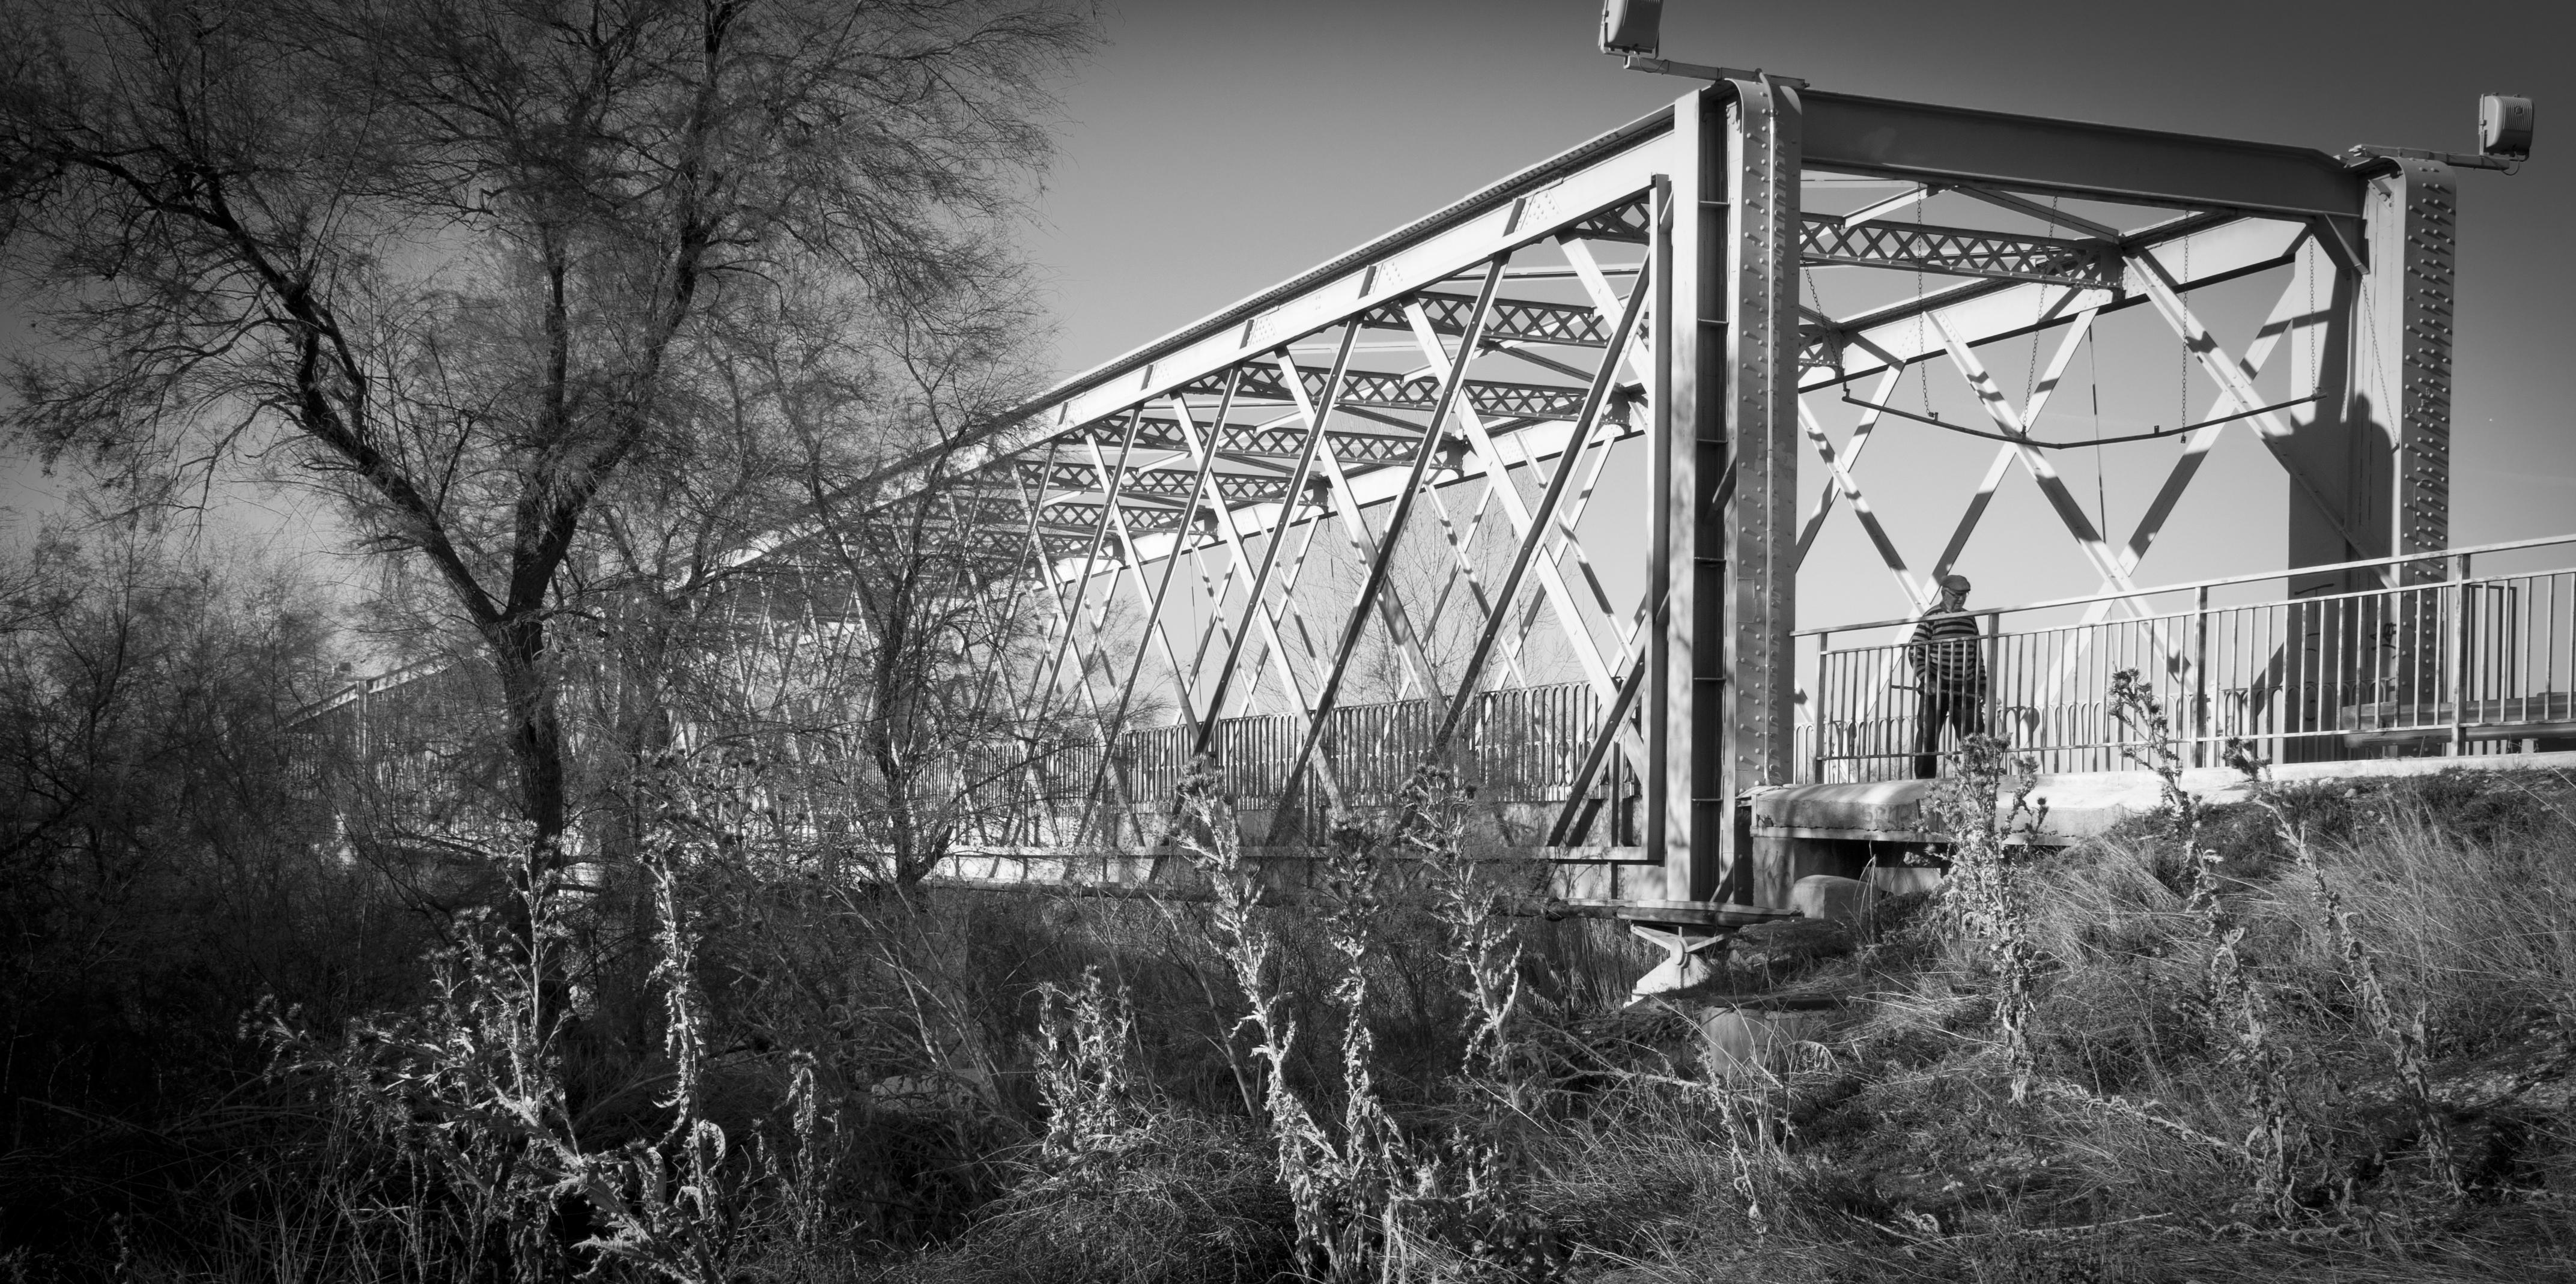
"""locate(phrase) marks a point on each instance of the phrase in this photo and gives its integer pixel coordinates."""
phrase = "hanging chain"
(1922, 369)
(2101, 498)
(2182, 373)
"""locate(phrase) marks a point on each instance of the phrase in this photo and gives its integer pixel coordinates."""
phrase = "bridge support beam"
(1725, 476)
(2373, 345)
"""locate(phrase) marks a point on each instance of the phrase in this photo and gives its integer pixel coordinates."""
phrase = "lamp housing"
(2504, 126)
(1632, 27)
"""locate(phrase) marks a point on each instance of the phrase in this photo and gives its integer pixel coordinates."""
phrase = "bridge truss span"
(1553, 439)
(1530, 487)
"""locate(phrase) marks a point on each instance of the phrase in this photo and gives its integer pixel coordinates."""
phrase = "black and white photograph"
(1286, 642)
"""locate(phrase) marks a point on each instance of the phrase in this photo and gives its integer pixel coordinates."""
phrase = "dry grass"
(902, 1106)
(2139, 1153)
(1190, 1201)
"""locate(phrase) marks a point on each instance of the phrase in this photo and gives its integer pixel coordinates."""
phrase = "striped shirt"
(1944, 651)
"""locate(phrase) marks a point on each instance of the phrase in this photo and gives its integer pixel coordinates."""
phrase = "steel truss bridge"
(1516, 487)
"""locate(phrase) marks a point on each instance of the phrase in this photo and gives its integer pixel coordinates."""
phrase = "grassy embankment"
(2321, 1036)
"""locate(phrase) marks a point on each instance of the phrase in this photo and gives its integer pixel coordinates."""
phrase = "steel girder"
(1514, 320)
(1365, 389)
(1847, 133)
(1954, 251)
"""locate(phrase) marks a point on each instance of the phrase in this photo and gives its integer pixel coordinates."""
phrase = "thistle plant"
(2403, 1039)
(1086, 1077)
(1432, 825)
(801, 1178)
(2135, 706)
(469, 1088)
(1469, 1194)
(1309, 1165)
(2232, 1011)
(1372, 1149)
(1371, 1202)
(2234, 1015)
(1974, 810)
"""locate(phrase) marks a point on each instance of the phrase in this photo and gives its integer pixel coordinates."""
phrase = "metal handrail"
(2462, 661)
(2220, 582)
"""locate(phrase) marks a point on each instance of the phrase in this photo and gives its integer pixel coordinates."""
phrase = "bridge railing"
(1524, 745)
(2438, 660)
(2464, 652)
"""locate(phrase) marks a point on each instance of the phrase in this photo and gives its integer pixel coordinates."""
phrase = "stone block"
(1754, 1043)
(1787, 943)
(1831, 898)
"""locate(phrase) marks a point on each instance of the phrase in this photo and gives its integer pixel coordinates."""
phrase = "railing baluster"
(2460, 642)
(2200, 677)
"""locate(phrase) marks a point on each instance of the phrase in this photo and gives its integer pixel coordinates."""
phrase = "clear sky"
(1214, 147)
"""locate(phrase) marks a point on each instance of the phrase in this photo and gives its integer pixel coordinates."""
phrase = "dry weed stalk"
(2404, 1040)
(1983, 889)
(2231, 1009)
(1373, 1148)
(1309, 1165)
(1373, 1159)
(2135, 705)
(464, 1090)
(1086, 1078)
(1369, 1201)
(470, 1086)
(2235, 1020)
(2141, 1112)
(1470, 1195)
(1746, 1161)
(1432, 823)
(802, 1180)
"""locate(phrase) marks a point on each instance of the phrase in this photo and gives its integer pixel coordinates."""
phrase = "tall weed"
(1375, 1196)
(1983, 893)
(466, 1100)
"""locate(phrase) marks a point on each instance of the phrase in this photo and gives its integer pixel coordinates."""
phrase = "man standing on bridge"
(1949, 675)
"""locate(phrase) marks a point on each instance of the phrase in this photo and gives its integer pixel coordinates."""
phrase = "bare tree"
(458, 260)
(867, 656)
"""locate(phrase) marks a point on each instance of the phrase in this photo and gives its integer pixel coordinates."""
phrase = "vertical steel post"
(1723, 468)
(2461, 640)
(1686, 233)
(2375, 447)
(1746, 598)
(1990, 640)
(1816, 708)
(2408, 293)
(2200, 677)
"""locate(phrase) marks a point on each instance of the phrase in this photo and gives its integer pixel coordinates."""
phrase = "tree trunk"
(536, 734)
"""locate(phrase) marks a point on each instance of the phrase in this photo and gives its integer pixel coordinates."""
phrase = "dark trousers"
(1936, 708)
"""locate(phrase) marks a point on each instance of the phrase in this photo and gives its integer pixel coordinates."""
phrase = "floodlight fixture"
(1633, 30)
(2504, 127)
(2504, 139)
(1632, 27)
